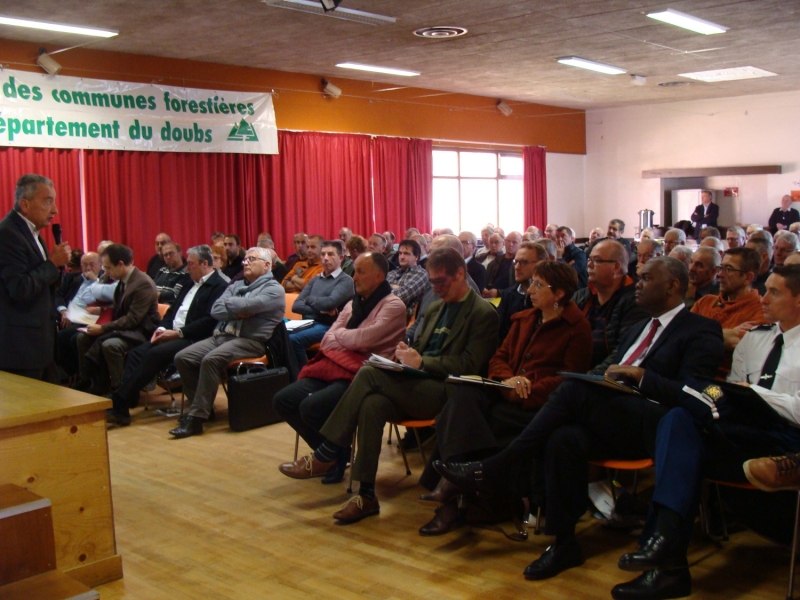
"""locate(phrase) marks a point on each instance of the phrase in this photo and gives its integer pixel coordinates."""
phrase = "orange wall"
(299, 105)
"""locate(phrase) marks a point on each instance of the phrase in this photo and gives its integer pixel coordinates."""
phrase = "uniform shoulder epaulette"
(764, 327)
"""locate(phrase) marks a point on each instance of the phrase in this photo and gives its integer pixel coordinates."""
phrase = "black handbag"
(250, 395)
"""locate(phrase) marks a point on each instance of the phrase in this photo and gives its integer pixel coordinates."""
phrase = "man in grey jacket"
(248, 312)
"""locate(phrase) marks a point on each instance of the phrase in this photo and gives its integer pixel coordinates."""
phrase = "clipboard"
(617, 386)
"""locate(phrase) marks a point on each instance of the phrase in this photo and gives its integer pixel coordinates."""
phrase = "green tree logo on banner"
(243, 132)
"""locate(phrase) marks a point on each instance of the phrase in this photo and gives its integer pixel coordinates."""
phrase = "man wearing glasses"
(172, 277)
(248, 312)
(608, 302)
(515, 299)
(737, 307)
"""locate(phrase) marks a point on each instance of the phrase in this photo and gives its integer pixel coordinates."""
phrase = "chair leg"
(419, 445)
(296, 444)
(389, 440)
(352, 460)
(725, 537)
(790, 593)
(402, 450)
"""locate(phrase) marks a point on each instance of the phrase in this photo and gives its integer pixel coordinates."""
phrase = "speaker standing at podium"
(29, 277)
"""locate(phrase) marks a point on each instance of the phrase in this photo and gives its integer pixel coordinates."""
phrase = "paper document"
(76, 314)
(298, 325)
(477, 379)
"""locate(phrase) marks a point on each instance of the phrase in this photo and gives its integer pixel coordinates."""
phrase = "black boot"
(192, 426)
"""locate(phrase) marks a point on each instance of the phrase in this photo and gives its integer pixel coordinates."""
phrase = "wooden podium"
(53, 443)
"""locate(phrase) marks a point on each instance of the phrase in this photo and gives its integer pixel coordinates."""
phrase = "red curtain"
(535, 186)
(63, 168)
(402, 183)
(318, 184)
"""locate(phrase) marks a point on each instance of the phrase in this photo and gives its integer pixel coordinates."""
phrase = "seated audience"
(673, 238)
(300, 242)
(764, 248)
(516, 298)
(74, 264)
(322, 299)
(709, 232)
(550, 231)
(459, 337)
(568, 251)
(549, 247)
(533, 232)
(683, 254)
(795, 228)
(424, 246)
(474, 268)
(496, 248)
(608, 302)
(374, 322)
(156, 262)
(233, 248)
(647, 234)
(785, 242)
(647, 250)
(615, 231)
(408, 281)
(304, 270)
(594, 235)
(712, 242)
(70, 294)
(736, 237)
(173, 276)
(187, 321)
(691, 445)
(220, 259)
(582, 421)
(477, 421)
(703, 275)
(356, 246)
(480, 254)
(247, 313)
(737, 307)
(217, 238)
(345, 233)
(102, 348)
(500, 272)
(751, 229)
(792, 259)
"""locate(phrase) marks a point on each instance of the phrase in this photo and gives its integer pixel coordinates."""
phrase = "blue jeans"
(305, 338)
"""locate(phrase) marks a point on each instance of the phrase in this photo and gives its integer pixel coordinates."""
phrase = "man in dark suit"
(782, 218)
(29, 278)
(458, 337)
(187, 321)
(469, 244)
(706, 213)
(102, 349)
(583, 421)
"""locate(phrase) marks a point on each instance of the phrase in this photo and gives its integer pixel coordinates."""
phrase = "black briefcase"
(250, 396)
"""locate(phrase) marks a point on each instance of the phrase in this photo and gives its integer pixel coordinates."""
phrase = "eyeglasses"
(524, 263)
(538, 285)
(595, 260)
(729, 269)
(251, 259)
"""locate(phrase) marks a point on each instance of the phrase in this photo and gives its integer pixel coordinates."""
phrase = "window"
(473, 188)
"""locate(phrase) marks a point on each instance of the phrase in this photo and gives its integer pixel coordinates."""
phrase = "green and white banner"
(70, 112)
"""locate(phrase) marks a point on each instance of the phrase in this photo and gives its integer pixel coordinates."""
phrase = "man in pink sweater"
(374, 322)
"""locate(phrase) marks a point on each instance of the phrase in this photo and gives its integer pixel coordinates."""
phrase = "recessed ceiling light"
(582, 63)
(674, 17)
(57, 27)
(732, 74)
(440, 31)
(374, 69)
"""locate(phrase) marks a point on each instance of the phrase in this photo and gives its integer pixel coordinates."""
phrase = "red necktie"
(642, 348)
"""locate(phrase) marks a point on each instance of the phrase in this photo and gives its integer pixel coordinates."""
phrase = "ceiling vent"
(440, 32)
(345, 14)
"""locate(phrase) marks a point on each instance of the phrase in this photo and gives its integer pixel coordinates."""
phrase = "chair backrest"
(162, 309)
(288, 313)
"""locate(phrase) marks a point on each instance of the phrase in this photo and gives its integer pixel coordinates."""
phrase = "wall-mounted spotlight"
(47, 62)
(504, 108)
(329, 90)
(329, 4)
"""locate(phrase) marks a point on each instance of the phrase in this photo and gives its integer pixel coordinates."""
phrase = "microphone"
(57, 233)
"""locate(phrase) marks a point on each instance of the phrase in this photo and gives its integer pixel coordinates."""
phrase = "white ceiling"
(510, 51)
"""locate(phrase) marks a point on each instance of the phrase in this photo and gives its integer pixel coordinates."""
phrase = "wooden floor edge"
(99, 572)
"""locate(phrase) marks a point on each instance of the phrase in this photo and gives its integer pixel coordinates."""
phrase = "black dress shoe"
(467, 476)
(183, 419)
(554, 560)
(442, 493)
(447, 518)
(658, 584)
(336, 473)
(192, 426)
(117, 418)
(657, 552)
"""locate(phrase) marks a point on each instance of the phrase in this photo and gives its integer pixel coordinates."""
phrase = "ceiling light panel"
(375, 69)
(733, 74)
(582, 63)
(57, 27)
(674, 17)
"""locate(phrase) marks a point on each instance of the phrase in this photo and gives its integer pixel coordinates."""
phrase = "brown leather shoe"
(443, 492)
(774, 473)
(306, 467)
(356, 509)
